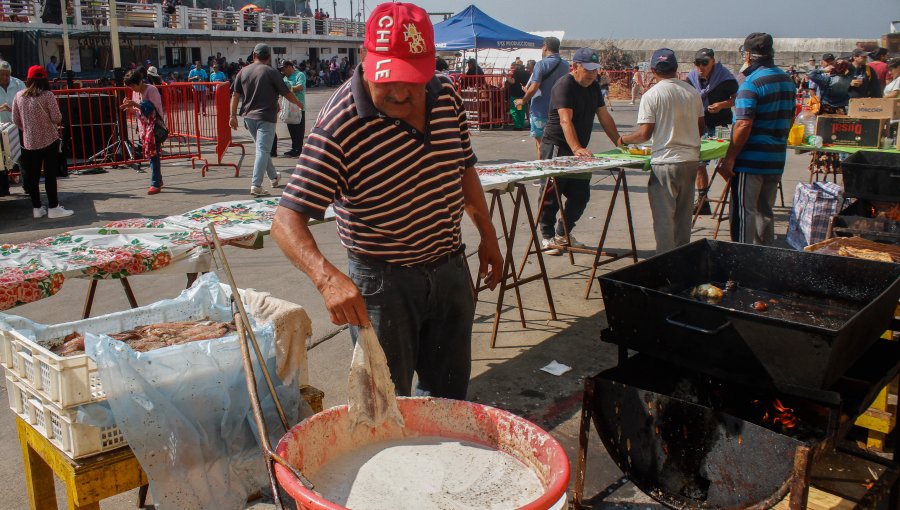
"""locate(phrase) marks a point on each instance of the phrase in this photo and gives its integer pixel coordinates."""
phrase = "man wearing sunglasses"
(717, 88)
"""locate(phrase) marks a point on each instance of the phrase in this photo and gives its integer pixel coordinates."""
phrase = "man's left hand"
(714, 108)
(490, 263)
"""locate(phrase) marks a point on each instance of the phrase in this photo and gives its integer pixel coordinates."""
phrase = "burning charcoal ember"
(760, 306)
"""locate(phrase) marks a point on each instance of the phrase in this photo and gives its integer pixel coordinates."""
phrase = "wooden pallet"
(881, 418)
(819, 500)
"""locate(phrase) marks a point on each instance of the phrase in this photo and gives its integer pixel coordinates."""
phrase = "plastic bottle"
(808, 119)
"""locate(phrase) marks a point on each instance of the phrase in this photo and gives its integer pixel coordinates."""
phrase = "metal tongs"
(247, 338)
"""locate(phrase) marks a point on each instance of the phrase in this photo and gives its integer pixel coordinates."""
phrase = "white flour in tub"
(427, 473)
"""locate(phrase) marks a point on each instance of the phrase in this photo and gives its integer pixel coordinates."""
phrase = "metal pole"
(67, 59)
(114, 34)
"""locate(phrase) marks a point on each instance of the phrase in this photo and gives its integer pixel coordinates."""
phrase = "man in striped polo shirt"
(763, 113)
(391, 151)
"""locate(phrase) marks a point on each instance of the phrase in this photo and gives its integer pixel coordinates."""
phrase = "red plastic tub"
(326, 435)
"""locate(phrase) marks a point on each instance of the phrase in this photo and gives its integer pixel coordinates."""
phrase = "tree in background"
(615, 58)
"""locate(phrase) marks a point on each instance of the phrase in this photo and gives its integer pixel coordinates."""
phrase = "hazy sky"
(654, 19)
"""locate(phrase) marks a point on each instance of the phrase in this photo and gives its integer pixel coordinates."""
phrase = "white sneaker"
(257, 191)
(547, 246)
(571, 241)
(40, 212)
(274, 182)
(59, 212)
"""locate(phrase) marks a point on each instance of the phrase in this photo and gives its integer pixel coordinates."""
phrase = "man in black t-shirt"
(865, 82)
(574, 102)
(718, 88)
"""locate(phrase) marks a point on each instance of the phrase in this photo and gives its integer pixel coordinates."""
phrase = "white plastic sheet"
(185, 412)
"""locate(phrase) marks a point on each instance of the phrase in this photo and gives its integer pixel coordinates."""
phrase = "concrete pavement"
(507, 376)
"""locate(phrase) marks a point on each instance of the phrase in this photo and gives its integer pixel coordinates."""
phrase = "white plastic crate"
(64, 381)
(58, 425)
(68, 381)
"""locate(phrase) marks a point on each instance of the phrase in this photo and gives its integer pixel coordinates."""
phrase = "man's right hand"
(725, 168)
(583, 152)
(343, 300)
(233, 122)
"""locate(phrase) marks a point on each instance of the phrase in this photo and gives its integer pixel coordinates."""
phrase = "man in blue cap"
(671, 113)
(574, 102)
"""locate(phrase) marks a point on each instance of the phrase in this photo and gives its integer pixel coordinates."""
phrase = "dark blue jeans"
(156, 172)
(577, 192)
(423, 318)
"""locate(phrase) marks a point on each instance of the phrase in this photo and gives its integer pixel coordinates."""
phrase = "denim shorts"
(537, 126)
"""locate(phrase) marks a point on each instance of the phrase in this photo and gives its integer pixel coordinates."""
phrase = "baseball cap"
(704, 54)
(879, 52)
(759, 43)
(828, 57)
(36, 72)
(262, 49)
(663, 60)
(152, 71)
(587, 58)
(859, 52)
(399, 44)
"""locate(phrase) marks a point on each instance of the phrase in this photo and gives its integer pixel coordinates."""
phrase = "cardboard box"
(850, 131)
(874, 108)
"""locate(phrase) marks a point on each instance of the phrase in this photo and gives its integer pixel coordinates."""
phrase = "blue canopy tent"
(473, 29)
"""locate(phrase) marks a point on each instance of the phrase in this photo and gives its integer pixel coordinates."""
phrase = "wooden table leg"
(38, 475)
(89, 300)
(510, 236)
(621, 185)
(532, 224)
(128, 292)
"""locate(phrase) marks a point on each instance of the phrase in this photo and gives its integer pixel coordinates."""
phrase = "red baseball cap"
(399, 44)
(36, 72)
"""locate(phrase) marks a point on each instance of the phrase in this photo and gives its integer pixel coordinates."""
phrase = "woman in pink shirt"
(147, 120)
(36, 112)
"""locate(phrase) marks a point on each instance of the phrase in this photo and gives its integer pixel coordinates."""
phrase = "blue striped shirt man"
(767, 98)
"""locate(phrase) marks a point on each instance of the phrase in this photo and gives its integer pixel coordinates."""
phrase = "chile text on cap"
(399, 44)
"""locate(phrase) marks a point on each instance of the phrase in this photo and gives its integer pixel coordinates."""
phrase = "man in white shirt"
(9, 87)
(892, 89)
(671, 113)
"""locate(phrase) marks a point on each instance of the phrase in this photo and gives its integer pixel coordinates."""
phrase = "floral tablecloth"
(37, 269)
(503, 176)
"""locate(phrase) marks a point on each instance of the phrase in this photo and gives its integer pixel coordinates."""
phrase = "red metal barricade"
(222, 99)
(96, 133)
(485, 99)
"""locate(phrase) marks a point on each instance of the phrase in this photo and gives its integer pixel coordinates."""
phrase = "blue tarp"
(473, 29)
